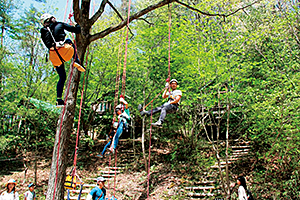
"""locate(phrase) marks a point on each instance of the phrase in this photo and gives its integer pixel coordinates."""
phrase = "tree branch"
(119, 15)
(150, 23)
(217, 14)
(109, 30)
(98, 13)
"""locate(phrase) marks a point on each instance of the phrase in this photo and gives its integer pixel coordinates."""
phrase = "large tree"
(65, 122)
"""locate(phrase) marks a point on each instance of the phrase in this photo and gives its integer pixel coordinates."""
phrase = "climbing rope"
(149, 157)
(61, 118)
(126, 47)
(168, 80)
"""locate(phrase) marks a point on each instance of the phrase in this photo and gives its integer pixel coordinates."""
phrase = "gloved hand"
(122, 100)
(167, 84)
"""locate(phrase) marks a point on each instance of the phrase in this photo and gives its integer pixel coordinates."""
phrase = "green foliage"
(254, 54)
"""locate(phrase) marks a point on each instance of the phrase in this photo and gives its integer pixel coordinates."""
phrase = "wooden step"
(89, 185)
(77, 191)
(116, 168)
(110, 172)
(81, 198)
(241, 150)
(205, 182)
(217, 167)
(200, 194)
(200, 188)
(240, 147)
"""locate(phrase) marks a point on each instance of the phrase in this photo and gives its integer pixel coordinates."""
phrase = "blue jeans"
(118, 134)
(103, 152)
(164, 109)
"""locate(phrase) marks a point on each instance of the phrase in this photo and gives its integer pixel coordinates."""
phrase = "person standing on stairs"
(123, 118)
(241, 181)
(172, 105)
(53, 35)
(98, 192)
(110, 136)
(10, 193)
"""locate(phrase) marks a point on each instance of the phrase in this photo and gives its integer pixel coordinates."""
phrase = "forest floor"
(131, 183)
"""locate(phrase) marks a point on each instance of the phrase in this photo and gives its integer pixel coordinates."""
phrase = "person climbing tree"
(98, 192)
(172, 105)
(122, 123)
(10, 193)
(53, 35)
(111, 135)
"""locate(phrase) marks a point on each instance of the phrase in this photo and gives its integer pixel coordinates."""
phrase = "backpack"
(249, 195)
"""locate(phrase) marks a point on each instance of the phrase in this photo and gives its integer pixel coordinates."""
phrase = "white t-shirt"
(242, 193)
(29, 195)
(173, 95)
(9, 196)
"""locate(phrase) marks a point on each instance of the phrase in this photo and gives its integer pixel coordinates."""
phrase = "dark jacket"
(58, 31)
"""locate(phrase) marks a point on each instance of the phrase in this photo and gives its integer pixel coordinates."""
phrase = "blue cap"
(30, 185)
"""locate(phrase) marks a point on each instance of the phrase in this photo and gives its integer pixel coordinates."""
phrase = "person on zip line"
(123, 118)
(171, 106)
(53, 35)
(110, 136)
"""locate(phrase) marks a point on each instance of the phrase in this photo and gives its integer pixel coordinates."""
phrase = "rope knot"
(70, 15)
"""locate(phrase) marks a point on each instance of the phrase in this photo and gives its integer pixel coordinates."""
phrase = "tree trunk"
(64, 129)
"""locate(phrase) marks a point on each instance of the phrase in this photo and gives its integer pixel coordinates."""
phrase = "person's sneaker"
(59, 103)
(100, 155)
(111, 151)
(157, 124)
(140, 107)
(79, 67)
(143, 113)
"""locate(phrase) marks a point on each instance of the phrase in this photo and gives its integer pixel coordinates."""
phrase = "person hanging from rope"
(123, 118)
(98, 192)
(53, 35)
(172, 105)
(110, 136)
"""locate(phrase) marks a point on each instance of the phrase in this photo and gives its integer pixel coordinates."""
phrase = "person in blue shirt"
(98, 192)
(123, 118)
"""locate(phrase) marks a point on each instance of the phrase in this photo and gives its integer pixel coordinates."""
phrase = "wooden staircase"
(126, 155)
(207, 186)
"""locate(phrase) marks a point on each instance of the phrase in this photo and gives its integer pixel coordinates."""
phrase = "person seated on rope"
(98, 192)
(58, 32)
(171, 106)
(111, 136)
(123, 118)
